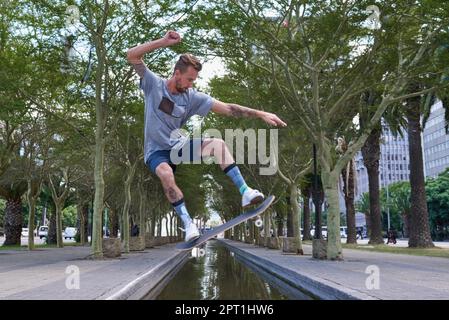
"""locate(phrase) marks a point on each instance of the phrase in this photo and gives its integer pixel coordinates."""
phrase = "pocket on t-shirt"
(170, 108)
(166, 106)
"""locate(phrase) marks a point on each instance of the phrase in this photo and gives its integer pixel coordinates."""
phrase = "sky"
(211, 68)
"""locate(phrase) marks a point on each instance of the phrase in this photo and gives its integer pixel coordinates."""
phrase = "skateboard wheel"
(198, 252)
(259, 223)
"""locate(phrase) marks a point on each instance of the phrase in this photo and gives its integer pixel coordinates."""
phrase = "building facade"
(394, 163)
(435, 142)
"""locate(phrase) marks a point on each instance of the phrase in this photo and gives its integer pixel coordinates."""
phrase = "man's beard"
(180, 88)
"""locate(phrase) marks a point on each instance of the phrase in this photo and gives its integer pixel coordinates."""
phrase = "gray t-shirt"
(166, 112)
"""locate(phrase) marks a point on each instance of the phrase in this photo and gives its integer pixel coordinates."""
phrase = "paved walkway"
(44, 273)
(401, 276)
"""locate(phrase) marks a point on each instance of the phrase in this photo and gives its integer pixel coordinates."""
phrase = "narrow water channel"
(218, 276)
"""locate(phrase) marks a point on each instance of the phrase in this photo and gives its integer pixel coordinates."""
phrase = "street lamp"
(388, 196)
(388, 209)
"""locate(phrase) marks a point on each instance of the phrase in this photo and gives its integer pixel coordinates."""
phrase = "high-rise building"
(435, 142)
(394, 164)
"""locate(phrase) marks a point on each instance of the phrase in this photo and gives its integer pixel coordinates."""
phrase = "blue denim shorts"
(160, 156)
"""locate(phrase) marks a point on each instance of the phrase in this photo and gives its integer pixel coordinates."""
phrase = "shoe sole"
(256, 200)
(193, 238)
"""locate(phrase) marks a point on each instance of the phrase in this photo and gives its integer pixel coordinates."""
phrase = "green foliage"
(69, 217)
(363, 205)
(437, 191)
(2, 211)
(398, 202)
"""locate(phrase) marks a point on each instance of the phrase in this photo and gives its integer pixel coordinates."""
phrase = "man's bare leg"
(218, 149)
(176, 198)
(171, 190)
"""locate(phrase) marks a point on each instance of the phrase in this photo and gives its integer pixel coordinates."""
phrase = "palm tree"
(419, 227)
(371, 156)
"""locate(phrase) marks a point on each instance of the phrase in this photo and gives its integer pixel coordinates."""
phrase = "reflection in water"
(217, 275)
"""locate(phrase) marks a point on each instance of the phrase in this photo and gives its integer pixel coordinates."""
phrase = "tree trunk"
(166, 227)
(125, 232)
(97, 245)
(159, 226)
(32, 215)
(306, 229)
(51, 237)
(349, 191)
(296, 217)
(290, 232)
(113, 216)
(83, 215)
(371, 155)
(279, 222)
(419, 226)
(58, 214)
(13, 221)
(142, 205)
(100, 113)
(330, 185)
(152, 225)
(406, 224)
(318, 199)
(368, 224)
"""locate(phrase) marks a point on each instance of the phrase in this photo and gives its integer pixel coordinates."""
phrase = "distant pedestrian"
(135, 231)
(391, 237)
(360, 232)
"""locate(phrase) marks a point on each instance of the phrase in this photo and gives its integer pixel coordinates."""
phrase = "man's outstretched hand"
(171, 38)
(272, 119)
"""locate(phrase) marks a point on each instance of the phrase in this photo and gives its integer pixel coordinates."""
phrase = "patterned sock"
(181, 210)
(233, 172)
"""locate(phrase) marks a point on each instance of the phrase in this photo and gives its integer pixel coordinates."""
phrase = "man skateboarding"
(168, 106)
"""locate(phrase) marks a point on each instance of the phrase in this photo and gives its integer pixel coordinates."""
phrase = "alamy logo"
(261, 147)
(373, 280)
(73, 279)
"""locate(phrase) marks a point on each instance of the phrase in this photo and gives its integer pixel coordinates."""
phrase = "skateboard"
(227, 225)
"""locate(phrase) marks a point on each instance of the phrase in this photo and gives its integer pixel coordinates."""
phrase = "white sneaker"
(192, 232)
(251, 196)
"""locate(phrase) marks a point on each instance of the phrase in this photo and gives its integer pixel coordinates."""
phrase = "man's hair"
(186, 60)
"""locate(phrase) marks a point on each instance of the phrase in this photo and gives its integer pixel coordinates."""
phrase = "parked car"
(323, 232)
(343, 232)
(69, 233)
(24, 232)
(42, 232)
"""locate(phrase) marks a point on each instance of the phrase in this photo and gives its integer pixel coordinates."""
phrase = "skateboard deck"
(225, 226)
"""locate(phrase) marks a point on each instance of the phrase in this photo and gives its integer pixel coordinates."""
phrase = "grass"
(428, 252)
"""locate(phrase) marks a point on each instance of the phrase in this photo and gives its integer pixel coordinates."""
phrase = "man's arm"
(136, 53)
(235, 110)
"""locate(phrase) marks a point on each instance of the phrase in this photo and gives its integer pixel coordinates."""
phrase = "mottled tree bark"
(13, 221)
(306, 229)
(371, 155)
(349, 195)
(419, 217)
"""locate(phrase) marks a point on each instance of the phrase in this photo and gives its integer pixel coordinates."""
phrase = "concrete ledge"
(150, 280)
(315, 287)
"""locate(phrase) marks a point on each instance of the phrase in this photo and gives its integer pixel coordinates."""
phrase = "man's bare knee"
(213, 147)
(165, 173)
